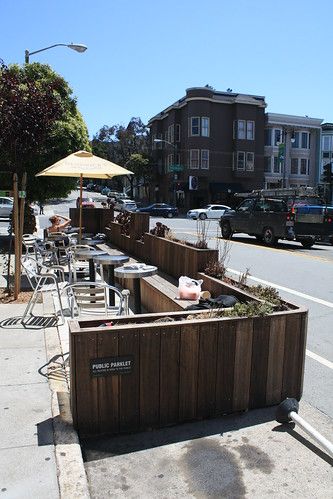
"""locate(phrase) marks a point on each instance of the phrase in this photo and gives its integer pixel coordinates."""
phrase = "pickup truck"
(270, 219)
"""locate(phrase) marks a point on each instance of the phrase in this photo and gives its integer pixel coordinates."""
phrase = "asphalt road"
(302, 276)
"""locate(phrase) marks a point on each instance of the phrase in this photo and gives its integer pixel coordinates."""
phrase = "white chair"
(92, 298)
(43, 280)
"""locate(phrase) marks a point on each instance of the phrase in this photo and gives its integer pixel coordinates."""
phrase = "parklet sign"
(108, 366)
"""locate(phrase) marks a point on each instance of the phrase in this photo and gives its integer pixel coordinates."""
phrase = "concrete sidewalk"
(247, 455)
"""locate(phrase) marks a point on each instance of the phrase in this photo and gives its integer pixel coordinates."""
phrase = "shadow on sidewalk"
(34, 322)
(95, 448)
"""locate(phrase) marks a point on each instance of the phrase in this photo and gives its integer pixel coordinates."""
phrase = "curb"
(72, 478)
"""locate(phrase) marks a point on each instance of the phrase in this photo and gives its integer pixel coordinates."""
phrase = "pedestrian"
(41, 208)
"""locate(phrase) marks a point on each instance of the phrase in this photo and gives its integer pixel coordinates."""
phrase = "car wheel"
(226, 230)
(307, 243)
(268, 236)
(169, 214)
(202, 216)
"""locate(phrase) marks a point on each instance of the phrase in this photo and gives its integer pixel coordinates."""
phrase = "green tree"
(127, 146)
(39, 124)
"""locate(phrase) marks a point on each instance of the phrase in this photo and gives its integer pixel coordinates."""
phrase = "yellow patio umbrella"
(83, 164)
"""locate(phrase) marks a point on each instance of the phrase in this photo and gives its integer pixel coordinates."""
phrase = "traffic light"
(327, 174)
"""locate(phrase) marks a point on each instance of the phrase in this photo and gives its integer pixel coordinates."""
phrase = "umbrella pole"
(80, 222)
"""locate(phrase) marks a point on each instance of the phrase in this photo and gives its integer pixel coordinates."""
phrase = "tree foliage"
(39, 124)
(127, 146)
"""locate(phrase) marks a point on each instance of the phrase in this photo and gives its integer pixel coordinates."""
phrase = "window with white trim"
(305, 140)
(304, 170)
(170, 161)
(177, 133)
(268, 136)
(171, 132)
(326, 143)
(194, 158)
(250, 130)
(205, 159)
(267, 164)
(241, 129)
(240, 160)
(205, 127)
(249, 161)
(295, 144)
(276, 165)
(277, 136)
(195, 126)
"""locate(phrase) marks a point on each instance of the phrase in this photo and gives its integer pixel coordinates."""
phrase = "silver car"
(6, 207)
(125, 205)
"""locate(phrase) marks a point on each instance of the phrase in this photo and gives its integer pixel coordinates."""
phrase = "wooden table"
(111, 261)
(136, 272)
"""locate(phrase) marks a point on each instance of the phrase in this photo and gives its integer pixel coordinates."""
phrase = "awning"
(216, 187)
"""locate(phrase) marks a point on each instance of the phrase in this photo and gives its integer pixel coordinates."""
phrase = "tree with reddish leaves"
(39, 124)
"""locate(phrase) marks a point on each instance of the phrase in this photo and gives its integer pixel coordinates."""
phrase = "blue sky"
(142, 55)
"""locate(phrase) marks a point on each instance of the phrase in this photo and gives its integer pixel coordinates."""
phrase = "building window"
(294, 166)
(295, 144)
(240, 160)
(326, 143)
(267, 164)
(304, 166)
(171, 133)
(326, 154)
(250, 130)
(205, 159)
(195, 126)
(241, 129)
(194, 158)
(277, 136)
(305, 140)
(250, 161)
(177, 133)
(268, 136)
(276, 166)
(205, 127)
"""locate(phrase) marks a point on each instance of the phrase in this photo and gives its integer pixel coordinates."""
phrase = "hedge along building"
(208, 145)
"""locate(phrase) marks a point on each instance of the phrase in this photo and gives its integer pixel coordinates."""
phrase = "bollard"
(287, 411)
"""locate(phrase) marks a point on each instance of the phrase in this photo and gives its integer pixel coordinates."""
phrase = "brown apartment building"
(208, 145)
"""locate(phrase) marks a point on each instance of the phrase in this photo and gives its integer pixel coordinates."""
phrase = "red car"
(86, 203)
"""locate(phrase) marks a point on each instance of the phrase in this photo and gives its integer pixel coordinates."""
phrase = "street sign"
(22, 194)
(176, 168)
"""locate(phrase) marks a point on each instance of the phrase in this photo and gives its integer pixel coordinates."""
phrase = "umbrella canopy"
(84, 164)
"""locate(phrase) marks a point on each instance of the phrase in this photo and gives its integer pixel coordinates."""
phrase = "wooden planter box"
(132, 245)
(180, 371)
(177, 259)
(93, 219)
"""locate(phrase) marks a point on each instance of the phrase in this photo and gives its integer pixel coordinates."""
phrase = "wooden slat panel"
(188, 384)
(129, 385)
(86, 386)
(260, 348)
(108, 386)
(302, 346)
(169, 376)
(242, 372)
(275, 359)
(73, 371)
(226, 345)
(207, 370)
(149, 377)
(292, 353)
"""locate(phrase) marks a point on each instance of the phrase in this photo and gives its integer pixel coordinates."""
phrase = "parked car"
(125, 205)
(90, 186)
(6, 207)
(114, 194)
(209, 211)
(86, 203)
(160, 210)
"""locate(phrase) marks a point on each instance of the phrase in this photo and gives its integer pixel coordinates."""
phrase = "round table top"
(89, 254)
(111, 259)
(92, 241)
(127, 271)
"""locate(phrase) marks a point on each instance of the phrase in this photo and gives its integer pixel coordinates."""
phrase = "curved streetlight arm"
(73, 46)
(166, 142)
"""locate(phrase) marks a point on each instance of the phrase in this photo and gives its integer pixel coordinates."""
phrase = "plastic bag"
(189, 289)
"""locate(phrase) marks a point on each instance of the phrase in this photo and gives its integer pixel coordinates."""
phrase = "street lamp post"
(78, 47)
(175, 176)
(282, 155)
